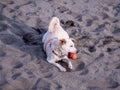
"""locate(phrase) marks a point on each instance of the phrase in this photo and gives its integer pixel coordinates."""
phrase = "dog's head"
(67, 46)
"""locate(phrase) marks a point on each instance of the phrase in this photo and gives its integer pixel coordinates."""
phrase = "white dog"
(57, 44)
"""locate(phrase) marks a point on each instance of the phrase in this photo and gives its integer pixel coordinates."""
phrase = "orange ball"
(73, 56)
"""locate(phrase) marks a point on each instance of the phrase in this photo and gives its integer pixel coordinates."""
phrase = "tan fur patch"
(62, 41)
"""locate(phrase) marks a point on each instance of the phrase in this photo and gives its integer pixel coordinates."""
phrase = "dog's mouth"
(72, 56)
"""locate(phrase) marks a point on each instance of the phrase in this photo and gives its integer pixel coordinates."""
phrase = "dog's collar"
(58, 55)
(47, 42)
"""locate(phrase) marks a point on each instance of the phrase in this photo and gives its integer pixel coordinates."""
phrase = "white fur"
(51, 40)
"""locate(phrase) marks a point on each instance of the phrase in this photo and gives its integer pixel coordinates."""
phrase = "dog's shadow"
(65, 65)
(22, 37)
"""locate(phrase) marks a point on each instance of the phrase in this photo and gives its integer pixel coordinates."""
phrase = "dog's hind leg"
(56, 64)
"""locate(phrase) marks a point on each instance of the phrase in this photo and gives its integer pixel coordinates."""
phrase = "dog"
(57, 44)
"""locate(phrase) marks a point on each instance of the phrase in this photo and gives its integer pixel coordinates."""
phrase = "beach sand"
(94, 24)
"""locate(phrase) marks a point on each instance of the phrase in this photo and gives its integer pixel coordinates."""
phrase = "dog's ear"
(62, 41)
(54, 22)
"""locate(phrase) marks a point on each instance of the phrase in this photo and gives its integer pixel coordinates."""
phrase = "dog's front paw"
(70, 66)
(63, 69)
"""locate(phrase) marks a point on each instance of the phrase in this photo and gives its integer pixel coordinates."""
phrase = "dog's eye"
(71, 46)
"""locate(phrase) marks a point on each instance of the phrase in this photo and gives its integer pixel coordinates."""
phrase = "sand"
(95, 25)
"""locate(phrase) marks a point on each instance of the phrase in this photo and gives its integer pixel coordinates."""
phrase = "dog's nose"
(77, 51)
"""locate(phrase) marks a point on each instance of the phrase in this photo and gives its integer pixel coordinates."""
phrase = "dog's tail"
(55, 22)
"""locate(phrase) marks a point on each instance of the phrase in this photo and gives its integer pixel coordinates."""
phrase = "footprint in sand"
(81, 66)
(89, 22)
(2, 53)
(1, 67)
(18, 65)
(93, 88)
(15, 76)
(118, 66)
(3, 80)
(3, 27)
(41, 85)
(112, 83)
(9, 39)
(116, 30)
